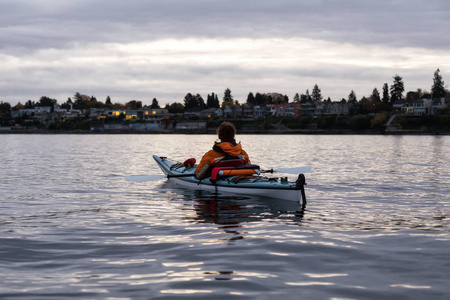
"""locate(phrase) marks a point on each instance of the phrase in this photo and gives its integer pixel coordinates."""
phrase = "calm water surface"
(376, 226)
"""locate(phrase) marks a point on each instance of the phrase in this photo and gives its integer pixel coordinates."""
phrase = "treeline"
(381, 100)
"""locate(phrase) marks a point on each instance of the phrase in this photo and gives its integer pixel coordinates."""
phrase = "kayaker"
(226, 149)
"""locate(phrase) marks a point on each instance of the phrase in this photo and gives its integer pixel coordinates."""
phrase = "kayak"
(236, 182)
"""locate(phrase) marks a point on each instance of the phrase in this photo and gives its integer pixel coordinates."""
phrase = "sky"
(164, 49)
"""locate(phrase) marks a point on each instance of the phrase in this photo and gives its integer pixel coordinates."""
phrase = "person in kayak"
(226, 149)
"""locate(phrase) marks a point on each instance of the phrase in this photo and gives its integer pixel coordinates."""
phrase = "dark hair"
(226, 131)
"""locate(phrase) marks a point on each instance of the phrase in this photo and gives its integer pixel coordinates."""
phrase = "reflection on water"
(376, 225)
(232, 212)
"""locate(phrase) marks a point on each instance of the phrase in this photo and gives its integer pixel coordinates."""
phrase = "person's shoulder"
(210, 153)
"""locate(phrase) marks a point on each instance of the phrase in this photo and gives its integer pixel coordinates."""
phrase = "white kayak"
(255, 185)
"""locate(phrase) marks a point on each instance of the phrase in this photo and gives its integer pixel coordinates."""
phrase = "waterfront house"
(308, 109)
(247, 111)
(439, 104)
(335, 108)
(416, 107)
(259, 111)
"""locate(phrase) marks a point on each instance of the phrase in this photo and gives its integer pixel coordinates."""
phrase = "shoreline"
(213, 131)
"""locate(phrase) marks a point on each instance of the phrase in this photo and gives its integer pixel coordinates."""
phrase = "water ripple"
(376, 225)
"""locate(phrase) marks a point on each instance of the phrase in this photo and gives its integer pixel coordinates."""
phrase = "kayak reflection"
(230, 211)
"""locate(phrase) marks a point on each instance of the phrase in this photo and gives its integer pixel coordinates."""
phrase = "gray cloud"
(398, 23)
(42, 46)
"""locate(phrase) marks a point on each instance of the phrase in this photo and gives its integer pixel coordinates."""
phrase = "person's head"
(226, 131)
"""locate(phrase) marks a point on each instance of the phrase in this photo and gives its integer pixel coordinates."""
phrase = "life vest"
(226, 150)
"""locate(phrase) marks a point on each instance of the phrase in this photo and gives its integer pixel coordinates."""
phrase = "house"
(131, 114)
(114, 112)
(259, 111)
(154, 113)
(209, 112)
(422, 107)
(227, 111)
(398, 105)
(335, 108)
(97, 113)
(308, 109)
(319, 109)
(285, 110)
(247, 111)
(407, 109)
(417, 107)
(192, 112)
(439, 104)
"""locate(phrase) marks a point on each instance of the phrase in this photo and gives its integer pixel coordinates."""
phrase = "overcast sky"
(163, 49)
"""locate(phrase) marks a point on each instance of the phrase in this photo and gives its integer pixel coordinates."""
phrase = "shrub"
(359, 122)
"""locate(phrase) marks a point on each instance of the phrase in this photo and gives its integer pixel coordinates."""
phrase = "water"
(376, 225)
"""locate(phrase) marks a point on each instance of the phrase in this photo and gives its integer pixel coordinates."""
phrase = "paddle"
(153, 177)
(295, 170)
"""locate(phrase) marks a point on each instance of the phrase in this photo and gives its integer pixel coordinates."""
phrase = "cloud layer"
(164, 49)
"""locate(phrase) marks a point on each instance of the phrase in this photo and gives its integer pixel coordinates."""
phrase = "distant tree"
(192, 102)
(83, 101)
(305, 97)
(5, 107)
(119, 106)
(251, 99)
(352, 98)
(365, 106)
(30, 104)
(200, 102)
(108, 100)
(46, 101)
(316, 94)
(176, 108)
(412, 95)
(212, 101)
(216, 101)
(296, 98)
(155, 104)
(438, 90)
(385, 98)
(67, 104)
(227, 97)
(77, 97)
(375, 97)
(18, 106)
(260, 99)
(276, 98)
(94, 103)
(397, 89)
(426, 95)
(134, 104)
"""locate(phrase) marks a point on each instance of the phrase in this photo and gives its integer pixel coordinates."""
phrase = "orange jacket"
(220, 151)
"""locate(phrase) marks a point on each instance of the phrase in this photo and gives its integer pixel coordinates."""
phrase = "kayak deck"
(255, 185)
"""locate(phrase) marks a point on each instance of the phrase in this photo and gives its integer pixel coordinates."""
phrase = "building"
(439, 104)
(417, 107)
